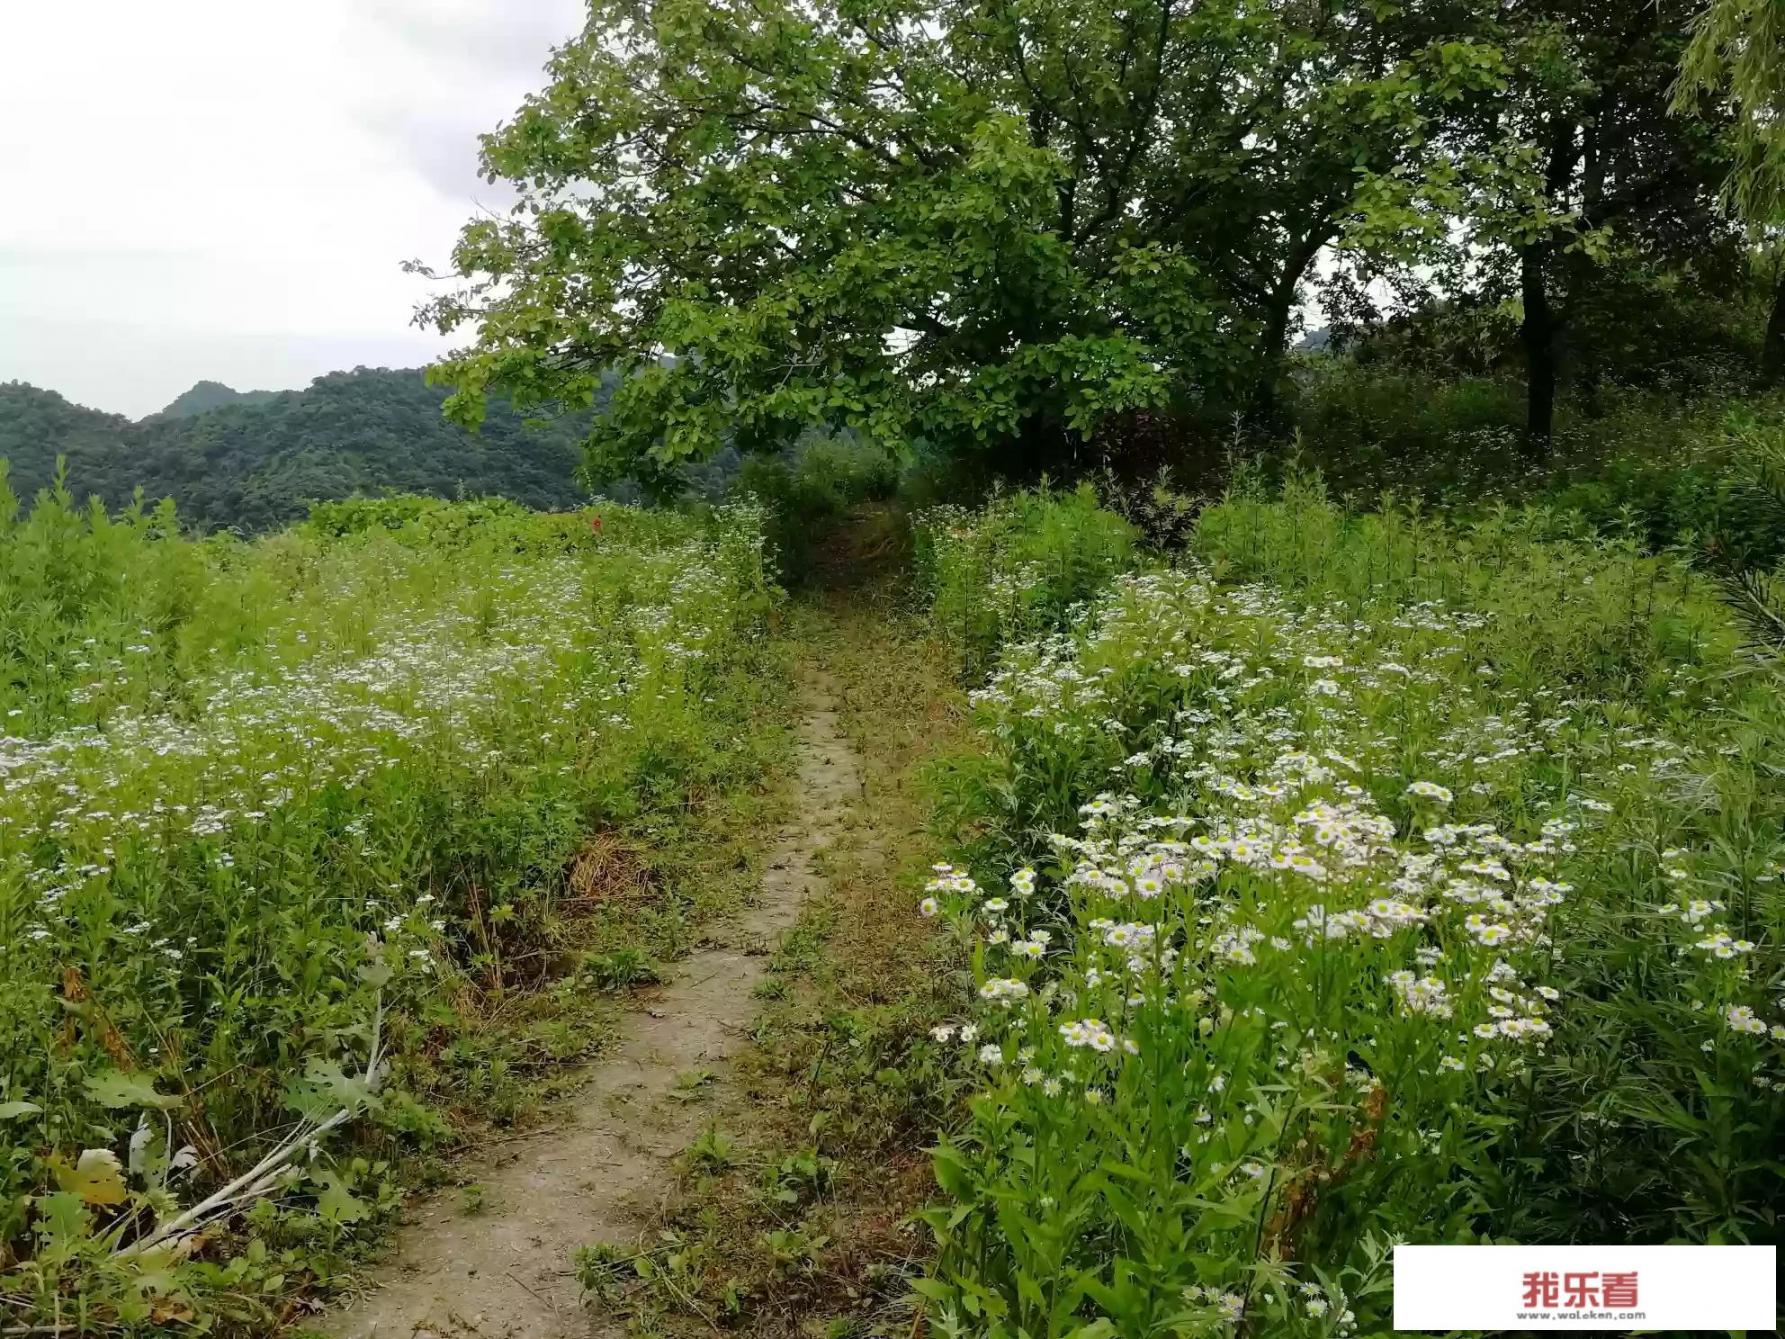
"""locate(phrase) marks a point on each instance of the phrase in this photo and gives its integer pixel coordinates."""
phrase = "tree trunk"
(1772, 352)
(1264, 409)
(1279, 307)
(1539, 333)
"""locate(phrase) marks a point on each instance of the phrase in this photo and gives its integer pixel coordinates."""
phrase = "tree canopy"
(982, 223)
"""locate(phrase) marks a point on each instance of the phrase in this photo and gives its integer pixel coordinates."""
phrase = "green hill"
(254, 463)
(208, 395)
(37, 424)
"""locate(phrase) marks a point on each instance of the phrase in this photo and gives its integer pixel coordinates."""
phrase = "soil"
(598, 1172)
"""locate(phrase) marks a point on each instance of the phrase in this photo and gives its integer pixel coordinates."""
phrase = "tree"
(1737, 54)
(1570, 194)
(989, 223)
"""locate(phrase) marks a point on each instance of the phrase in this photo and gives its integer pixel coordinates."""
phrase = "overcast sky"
(225, 189)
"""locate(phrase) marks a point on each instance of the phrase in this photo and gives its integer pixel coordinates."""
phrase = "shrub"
(1016, 567)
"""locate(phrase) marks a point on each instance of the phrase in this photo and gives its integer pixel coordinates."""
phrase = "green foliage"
(1017, 567)
(273, 807)
(1369, 876)
(1737, 52)
(622, 969)
(1752, 573)
(1568, 189)
(808, 488)
(1565, 609)
(38, 426)
(255, 464)
(988, 227)
(1670, 471)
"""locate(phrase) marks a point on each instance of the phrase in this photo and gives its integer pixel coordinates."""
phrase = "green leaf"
(114, 1088)
(13, 1110)
(336, 1203)
(62, 1219)
(375, 974)
(342, 1089)
(96, 1178)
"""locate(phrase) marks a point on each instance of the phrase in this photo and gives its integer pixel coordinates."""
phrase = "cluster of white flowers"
(1301, 847)
(1258, 831)
(95, 816)
(1421, 994)
(1003, 990)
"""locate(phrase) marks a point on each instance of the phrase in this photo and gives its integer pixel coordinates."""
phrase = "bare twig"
(264, 1176)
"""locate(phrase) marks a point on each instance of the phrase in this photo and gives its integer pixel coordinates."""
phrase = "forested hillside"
(37, 425)
(253, 464)
(208, 395)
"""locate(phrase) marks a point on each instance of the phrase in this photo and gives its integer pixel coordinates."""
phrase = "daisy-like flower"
(1720, 944)
(1741, 1018)
(1003, 990)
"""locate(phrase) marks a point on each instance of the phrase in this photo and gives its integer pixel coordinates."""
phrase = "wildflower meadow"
(277, 817)
(1350, 879)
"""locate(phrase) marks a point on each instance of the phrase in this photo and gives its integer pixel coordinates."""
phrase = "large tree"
(1574, 189)
(986, 222)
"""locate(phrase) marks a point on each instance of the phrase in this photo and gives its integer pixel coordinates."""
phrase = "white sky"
(224, 189)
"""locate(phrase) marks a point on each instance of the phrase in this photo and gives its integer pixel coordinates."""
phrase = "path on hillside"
(598, 1174)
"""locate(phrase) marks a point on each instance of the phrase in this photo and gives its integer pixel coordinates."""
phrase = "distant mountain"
(207, 395)
(258, 461)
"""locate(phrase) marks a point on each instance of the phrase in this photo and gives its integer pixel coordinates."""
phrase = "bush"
(1016, 567)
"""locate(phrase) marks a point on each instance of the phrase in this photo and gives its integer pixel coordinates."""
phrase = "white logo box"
(1567, 1287)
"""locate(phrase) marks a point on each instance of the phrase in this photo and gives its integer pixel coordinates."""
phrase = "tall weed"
(1370, 877)
(274, 815)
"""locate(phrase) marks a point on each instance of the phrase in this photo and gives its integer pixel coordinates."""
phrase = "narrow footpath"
(600, 1173)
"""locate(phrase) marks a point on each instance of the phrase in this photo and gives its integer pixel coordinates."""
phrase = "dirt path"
(504, 1273)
